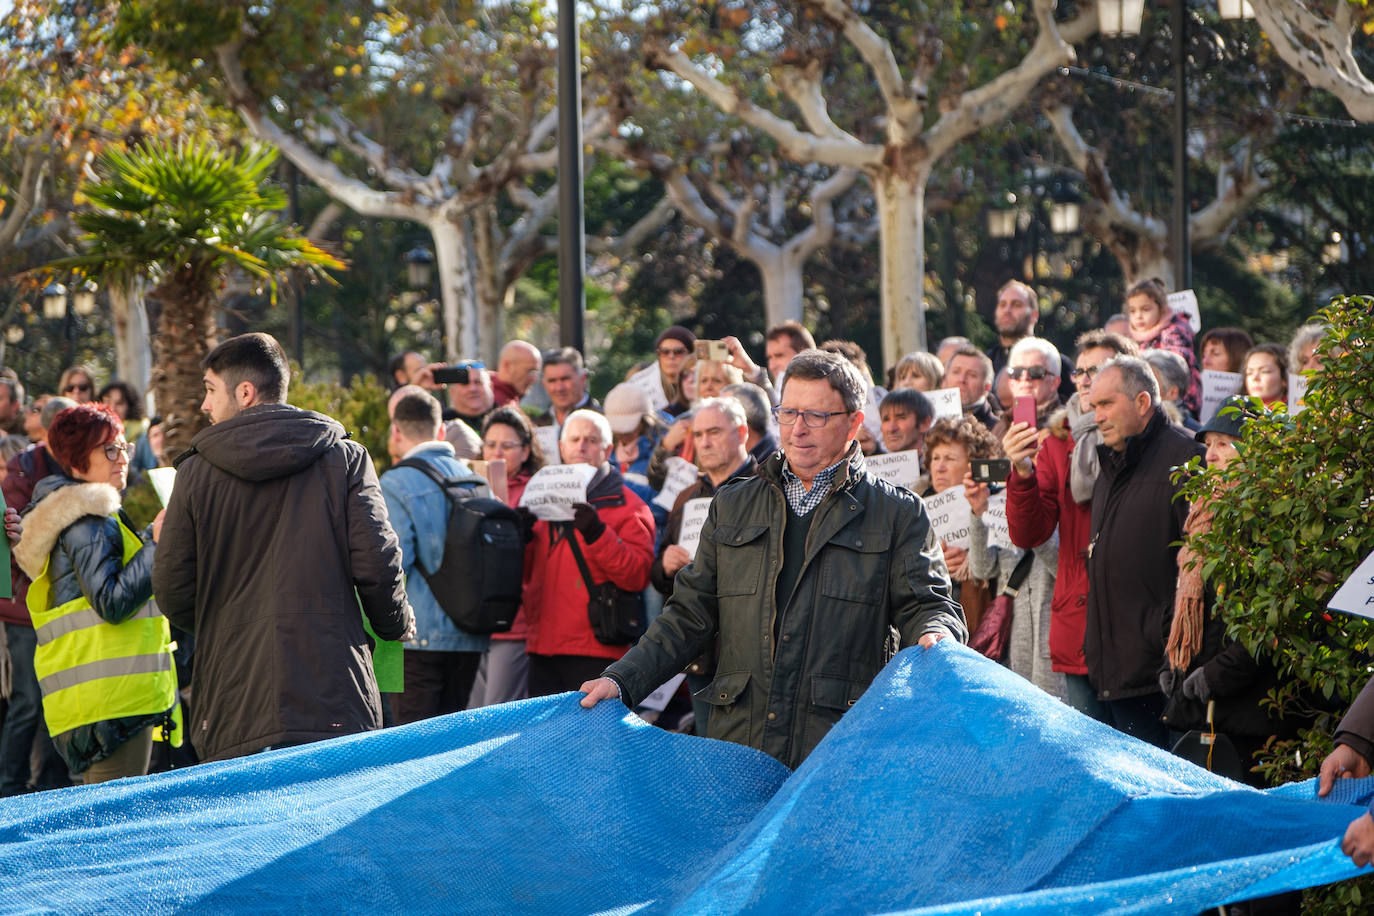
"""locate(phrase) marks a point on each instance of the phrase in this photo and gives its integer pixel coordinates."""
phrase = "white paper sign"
(681, 475)
(1217, 386)
(948, 402)
(872, 422)
(901, 469)
(995, 520)
(649, 381)
(1356, 596)
(548, 441)
(693, 518)
(162, 480)
(949, 516)
(551, 492)
(1185, 301)
(1297, 390)
(658, 700)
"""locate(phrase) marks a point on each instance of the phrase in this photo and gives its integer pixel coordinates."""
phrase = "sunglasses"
(672, 351)
(77, 386)
(1034, 373)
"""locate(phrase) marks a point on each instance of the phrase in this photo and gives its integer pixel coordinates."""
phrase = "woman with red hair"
(104, 660)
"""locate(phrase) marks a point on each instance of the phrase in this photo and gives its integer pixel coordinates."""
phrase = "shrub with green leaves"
(360, 407)
(1291, 525)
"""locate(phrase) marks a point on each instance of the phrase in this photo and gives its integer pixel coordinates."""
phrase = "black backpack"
(478, 584)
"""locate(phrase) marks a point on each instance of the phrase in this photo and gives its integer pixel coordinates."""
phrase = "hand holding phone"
(713, 350)
(990, 470)
(1023, 411)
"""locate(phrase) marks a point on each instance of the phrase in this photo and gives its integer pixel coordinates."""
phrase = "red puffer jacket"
(556, 596)
(1034, 506)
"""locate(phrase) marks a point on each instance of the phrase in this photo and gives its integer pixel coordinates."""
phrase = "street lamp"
(1120, 17)
(83, 298)
(1064, 217)
(54, 300)
(1235, 9)
(1002, 223)
(419, 267)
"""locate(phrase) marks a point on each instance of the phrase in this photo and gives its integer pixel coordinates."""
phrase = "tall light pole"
(1183, 260)
(571, 242)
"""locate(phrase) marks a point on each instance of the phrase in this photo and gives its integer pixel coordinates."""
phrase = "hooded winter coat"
(275, 533)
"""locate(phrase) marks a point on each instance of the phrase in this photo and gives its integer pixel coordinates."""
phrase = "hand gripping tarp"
(953, 786)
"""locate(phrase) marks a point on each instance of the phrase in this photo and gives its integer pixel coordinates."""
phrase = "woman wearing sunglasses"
(104, 660)
(77, 383)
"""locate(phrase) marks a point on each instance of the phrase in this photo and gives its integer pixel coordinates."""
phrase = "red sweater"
(1035, 505)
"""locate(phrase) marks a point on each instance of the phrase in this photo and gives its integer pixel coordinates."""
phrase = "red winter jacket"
(22, 474)
(556, 596)
(1034, 506)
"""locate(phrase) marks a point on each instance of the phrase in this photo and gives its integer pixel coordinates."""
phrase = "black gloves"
(527, 521)
(588, 522)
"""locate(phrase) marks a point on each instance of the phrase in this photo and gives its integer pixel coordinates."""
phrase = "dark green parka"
(872, 564)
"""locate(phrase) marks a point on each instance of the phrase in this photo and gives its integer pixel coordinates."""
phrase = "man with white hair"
(613, 531)
(1033, 369)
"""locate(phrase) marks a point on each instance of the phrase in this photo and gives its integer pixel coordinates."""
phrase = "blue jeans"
(1078, 690)
(24, 722)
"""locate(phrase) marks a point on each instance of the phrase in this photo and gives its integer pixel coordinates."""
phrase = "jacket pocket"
(831, 698)
(741, 554)
(731, 718)
(854, 567)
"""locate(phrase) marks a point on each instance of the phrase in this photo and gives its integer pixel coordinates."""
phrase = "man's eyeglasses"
(672, 351)
(786, 416)
(1085, 373)
(77, 386)
(1034, 373)
(115, 450)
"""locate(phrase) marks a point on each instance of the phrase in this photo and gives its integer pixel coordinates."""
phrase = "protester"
(636, 428)
(1266, 374)
(1350, 759)
(404, 369)
(275, 533)
(761, 441)
(517, 369)
(1171, 372)
(1032, 371)
(12, 420)
(919, 370)
(713, 377)
(782, 342)
(1302, 350)
(1018, 310)
(1154, 325)
(1117, 323)
(754, 586)
(971, 372)
(128, 405)
(614, 532)
(950, 446)
(77, 383)
(673, 347)
(945, 349)
(33, 424)
(1137, 518)
(440, 660)
(503, 674)
(108, 676)
(1224, 349)
(906, 416)
(565, 381)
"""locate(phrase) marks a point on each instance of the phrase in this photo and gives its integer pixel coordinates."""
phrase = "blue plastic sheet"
(953, 786)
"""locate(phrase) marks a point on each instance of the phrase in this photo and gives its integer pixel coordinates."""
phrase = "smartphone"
(455, 375)
(1024, 411)
(714, 350)
(990, 470)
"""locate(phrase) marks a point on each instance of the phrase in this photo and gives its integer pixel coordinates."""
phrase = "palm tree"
(184, 215)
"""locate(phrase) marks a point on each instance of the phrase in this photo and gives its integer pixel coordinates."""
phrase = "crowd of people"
(729, 518)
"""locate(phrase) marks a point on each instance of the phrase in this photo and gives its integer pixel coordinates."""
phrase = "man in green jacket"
(800, 573)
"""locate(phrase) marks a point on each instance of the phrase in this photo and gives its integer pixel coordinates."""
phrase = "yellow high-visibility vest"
(91, 670)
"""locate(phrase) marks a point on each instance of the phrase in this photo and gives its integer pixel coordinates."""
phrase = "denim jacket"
(419, 513)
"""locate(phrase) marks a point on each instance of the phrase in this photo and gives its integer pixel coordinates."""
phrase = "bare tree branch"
(1320, 50)
(28, 192)
(905, 109)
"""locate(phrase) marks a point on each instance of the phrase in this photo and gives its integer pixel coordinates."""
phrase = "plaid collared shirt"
(801, 500)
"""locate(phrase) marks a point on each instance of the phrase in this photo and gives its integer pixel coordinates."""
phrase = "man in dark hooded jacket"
(275, 533)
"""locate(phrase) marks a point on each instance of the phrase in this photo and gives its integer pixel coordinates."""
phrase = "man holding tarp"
(801, 572)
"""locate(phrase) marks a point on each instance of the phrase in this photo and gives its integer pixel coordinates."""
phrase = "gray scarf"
(1083, 466)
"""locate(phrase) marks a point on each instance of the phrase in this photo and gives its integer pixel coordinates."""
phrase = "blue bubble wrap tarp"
(953, 786)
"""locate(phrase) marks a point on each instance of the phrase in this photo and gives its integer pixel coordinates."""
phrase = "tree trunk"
(491, 285)
(133, 349)
(901, 221)
(186, 332)
(782, 287)
(457, 288)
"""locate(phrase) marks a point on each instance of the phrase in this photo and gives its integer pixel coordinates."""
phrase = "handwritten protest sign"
(949, 516)
(551, 492)
(947, 402)
(547, 437)
(681, 475)
(995, 520)
(1297, 390)
(693, 518)
(162, 480)
(901, 469)
(649, 381)
(1217, 386)
(1185, 301)
(1356, 596)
